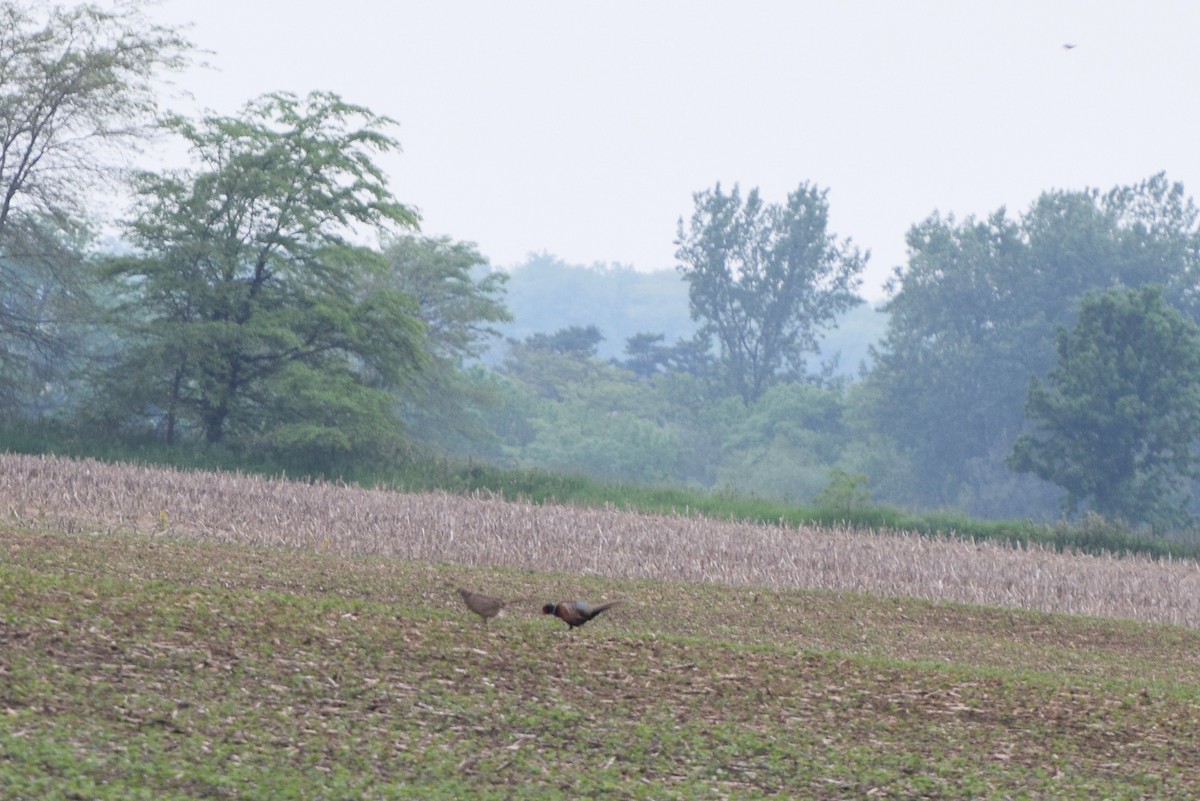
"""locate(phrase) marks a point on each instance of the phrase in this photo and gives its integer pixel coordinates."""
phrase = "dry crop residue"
(488, 531)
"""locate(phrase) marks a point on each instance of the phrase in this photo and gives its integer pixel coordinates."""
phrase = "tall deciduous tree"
(460, 301)
(256, 305)
(1118, 418)
(764, 280)
(76, 92)
(974, 312)
(76, 85)
(951, 374)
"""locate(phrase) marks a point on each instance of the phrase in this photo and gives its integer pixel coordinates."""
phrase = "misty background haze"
(582, 129)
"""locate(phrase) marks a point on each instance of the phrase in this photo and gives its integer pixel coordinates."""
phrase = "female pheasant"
(485, 606)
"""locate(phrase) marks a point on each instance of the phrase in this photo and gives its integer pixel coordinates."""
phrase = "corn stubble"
(485, 530)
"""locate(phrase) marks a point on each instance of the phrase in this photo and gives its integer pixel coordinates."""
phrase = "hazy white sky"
(582, 128)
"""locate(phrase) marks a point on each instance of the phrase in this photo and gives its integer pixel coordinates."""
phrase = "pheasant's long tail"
(597, 609)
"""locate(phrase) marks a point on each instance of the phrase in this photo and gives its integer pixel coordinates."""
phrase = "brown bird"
(576, 613)
(485, 606)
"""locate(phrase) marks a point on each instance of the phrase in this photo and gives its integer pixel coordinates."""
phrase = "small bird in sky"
(486, 606)
(1069, 46)
(576, 613)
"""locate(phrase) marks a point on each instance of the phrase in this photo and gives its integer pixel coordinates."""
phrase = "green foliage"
(458, 299)
(974, 313)
(460, 303)
(576, 341)
(949, 373)
(1094, 533)
(247, 278)
(646, 356)
(507, 415)
(555, 366)
(328, 420)
(76, 86)
(844, 492)
(589, 416)
(45, 306)
(763, 280)
(613, 446)
(1118, 419)
(782, 445)
(693, 358)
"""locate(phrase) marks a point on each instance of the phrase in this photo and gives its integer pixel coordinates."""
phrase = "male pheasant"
(576, 613)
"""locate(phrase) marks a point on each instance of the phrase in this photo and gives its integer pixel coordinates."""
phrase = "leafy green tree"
(76, 88)
(973, 316)
(458, 299)
(610, 426)
(252, 300)
(1118, 418)
(460, 302)
(872, 450)
(764, 280)
(509, 417)
(596, 433)
(45, 314)
(645, 355)
(580, 413)
(950, 374)
(76, 92)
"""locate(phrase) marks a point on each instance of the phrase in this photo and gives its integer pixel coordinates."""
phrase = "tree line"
(275, 297)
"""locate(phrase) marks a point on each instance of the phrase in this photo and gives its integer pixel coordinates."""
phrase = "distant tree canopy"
(253, 309)
(1117, 421)
(551, 365)
(764, 280)
(576, 340)
(545, 294)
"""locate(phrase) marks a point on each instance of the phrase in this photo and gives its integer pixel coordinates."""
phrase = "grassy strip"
(139, 668)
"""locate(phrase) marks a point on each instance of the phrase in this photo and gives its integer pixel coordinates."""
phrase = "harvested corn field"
(485, 531)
